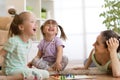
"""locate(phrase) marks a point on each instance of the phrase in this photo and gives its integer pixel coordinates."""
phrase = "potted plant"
(111, 15)
(29, 8)
(43, 13)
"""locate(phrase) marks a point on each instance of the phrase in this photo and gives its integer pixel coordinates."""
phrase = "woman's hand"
(113, 44)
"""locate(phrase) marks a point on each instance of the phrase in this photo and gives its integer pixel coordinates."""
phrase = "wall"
(81, 22)
(2, 8)
(17, 4)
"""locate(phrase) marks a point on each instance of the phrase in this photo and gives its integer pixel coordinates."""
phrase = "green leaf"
(111, 14)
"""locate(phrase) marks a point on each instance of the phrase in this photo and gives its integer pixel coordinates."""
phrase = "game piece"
(71, 77)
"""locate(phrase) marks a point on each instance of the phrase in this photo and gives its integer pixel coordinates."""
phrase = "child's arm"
(38, 56)
(2, 55)
(115, 62)
(3, 52)
(59, 54)
(57, 66)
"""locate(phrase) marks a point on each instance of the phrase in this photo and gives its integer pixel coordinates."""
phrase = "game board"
(71, 77)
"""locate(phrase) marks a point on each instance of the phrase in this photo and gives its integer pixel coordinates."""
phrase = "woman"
(106, 53)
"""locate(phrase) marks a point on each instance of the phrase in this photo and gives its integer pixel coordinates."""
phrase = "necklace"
(46, 44)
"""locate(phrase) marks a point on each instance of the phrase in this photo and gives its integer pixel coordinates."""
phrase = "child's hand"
(29, 64)
(57, 67)
(113, 44)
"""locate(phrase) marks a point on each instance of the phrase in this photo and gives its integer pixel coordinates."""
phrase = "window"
(81, 22)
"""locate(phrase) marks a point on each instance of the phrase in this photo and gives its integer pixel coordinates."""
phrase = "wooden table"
(106, 77)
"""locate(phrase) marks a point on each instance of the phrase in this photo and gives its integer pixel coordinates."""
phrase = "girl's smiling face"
(50, 28)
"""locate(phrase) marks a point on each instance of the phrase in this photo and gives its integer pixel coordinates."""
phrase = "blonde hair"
(17, 20)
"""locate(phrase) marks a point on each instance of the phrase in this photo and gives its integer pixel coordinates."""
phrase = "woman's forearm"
(115, 63)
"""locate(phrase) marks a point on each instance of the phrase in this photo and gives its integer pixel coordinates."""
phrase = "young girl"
(16, 50)
(106, 53)
(50, 54)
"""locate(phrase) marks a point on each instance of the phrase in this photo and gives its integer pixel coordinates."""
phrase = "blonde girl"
(15, 51)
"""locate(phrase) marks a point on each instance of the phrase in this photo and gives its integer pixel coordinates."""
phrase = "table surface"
(95, 77)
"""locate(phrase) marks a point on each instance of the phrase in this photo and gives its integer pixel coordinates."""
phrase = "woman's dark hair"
(63, 36)
(107, 34)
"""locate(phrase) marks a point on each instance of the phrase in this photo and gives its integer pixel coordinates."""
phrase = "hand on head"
(112, 44)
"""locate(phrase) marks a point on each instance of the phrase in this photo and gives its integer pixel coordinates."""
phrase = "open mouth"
(50, 29)
(34, 29)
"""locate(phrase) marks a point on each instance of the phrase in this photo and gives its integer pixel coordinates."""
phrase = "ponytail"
(14, 30)
(17, 20)
(63, 36)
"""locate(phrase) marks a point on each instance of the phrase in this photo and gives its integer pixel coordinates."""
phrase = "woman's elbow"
(116, 75)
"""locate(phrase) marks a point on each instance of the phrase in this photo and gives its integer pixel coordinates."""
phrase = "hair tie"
(12, 11)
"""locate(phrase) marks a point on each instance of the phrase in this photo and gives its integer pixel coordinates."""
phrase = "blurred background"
(79, 18)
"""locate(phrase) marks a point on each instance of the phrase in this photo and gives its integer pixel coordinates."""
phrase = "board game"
(71, 77)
